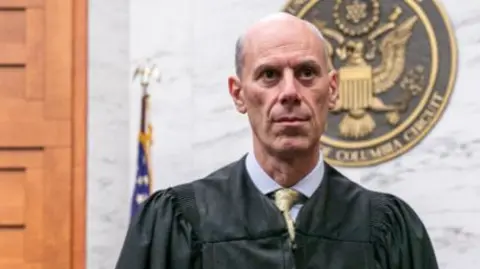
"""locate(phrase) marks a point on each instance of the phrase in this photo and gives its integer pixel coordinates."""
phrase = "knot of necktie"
(284, 200)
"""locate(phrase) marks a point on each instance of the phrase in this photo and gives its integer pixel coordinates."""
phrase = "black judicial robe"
(223, 221)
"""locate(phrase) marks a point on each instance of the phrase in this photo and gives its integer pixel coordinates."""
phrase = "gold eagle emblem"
(396, 63)
(360, 83)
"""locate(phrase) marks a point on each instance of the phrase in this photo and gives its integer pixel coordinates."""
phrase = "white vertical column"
(108, 131)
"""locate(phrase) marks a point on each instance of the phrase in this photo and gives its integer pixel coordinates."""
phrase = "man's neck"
(287, 171)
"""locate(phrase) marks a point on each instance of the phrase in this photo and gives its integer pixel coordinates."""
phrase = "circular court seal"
(396, 62)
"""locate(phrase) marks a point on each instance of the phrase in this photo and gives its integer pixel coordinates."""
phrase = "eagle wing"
(331, 34)
(392, 49)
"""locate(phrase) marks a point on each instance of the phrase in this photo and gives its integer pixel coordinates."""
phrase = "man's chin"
(293, 146)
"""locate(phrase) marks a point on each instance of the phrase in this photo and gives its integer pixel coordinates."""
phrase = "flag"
(143, 180)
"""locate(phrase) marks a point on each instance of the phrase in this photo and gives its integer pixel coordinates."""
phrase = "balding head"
(284, 85)
(275, 22)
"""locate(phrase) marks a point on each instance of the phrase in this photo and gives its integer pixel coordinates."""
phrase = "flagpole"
(146, 133)
(146, 73)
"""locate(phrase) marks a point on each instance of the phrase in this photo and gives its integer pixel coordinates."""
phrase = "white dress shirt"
(266, 184)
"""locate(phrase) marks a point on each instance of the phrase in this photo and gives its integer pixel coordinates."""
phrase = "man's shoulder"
(386, 211)
(343, 185)
(379, 201)
(216, 181)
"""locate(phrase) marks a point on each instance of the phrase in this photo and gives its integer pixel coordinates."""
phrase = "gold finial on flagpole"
(146, 72)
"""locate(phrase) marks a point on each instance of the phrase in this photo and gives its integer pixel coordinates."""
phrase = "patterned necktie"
(284, 200)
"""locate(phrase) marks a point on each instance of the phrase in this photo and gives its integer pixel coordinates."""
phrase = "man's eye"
(270, 74)
(307, 73)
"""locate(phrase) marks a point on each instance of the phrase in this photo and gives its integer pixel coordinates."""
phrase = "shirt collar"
(266, 184)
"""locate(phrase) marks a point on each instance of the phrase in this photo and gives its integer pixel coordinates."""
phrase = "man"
(280, 206)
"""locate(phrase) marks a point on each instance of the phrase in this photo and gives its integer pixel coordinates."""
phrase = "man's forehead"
(275, 43)
(279, 35)
(282, 47)
(286, 60)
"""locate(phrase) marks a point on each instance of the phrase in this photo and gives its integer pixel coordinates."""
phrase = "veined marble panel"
(108, 131)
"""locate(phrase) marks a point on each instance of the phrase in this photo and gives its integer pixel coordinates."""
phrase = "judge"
(281, 205)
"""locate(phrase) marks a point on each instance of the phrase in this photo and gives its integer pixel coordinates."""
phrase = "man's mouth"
(291, 119)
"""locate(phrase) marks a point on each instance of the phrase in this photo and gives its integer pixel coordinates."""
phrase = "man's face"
(285, 87)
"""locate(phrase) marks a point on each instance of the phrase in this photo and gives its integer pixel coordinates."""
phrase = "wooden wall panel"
(12, 198)
(21, 206)
(12, 82)
(43, 133)
(35, 79)
(13, 26)
(80, 26)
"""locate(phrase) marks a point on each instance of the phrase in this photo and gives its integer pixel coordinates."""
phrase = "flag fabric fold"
(143, 179)
(142, 186)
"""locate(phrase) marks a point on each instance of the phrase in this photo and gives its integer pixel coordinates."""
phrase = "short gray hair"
(239, 46)
(239, 59)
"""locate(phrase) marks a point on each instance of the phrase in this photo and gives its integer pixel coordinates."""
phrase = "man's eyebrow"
(302, 63)
(263, 66)
(266, 63)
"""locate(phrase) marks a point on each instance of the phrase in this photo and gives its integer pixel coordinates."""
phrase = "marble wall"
(196, 128)
(109, 130)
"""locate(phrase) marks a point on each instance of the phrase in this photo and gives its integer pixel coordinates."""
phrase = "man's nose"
(289, 92)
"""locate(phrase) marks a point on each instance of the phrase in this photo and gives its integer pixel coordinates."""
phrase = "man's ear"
(236, 92)
(333, 89)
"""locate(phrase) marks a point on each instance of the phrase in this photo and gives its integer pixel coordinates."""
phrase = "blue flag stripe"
(142, 184)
